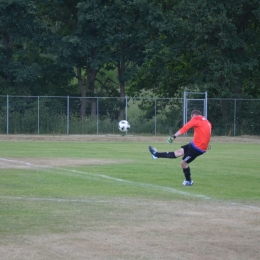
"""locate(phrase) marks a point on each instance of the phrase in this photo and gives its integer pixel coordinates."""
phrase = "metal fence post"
(206, 105)
(97, 113)
(7, 114)
(184, 108)
(126, 108)
(38, 115)
(235, 112)
(155, 103)
(68, 115)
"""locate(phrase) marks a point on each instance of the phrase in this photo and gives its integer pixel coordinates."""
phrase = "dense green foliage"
(134, 47)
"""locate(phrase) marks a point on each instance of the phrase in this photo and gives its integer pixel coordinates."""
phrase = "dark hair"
(196, 112)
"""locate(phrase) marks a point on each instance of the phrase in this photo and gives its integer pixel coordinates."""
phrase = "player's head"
(196, 113)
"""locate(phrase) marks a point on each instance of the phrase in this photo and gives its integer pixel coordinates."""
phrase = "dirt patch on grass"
(128, 228)
(33, 163)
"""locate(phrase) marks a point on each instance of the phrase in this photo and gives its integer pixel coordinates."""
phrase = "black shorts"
(190, 153)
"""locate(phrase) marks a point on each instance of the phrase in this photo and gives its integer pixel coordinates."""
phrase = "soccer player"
(189, 152)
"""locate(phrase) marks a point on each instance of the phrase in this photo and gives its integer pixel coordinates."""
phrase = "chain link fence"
(147, 116)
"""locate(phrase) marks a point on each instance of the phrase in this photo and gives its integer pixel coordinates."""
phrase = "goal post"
(192, 101)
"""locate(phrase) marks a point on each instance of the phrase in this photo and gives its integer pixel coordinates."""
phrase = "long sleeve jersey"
(202, 132)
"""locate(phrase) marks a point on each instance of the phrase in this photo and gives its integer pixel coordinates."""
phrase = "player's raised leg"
(169, 155)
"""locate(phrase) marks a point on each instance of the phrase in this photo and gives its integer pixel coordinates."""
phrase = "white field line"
(99, 177)
(102, 176)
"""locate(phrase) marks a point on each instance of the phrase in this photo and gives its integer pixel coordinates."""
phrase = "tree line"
(129, 47)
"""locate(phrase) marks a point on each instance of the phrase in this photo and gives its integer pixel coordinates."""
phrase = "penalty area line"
(143, 185)
(114, 179)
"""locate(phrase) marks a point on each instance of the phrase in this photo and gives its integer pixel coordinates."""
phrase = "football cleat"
(187, 183)
(153, 151)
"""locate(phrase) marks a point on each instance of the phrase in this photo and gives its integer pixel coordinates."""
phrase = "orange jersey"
(202, 132)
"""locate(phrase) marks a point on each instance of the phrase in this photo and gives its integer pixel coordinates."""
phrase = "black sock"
(169, 155)
(187, 174)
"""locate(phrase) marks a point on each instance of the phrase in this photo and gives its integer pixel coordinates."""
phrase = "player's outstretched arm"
(171, 138)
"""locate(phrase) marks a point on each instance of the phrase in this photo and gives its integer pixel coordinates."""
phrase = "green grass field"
(45, 192)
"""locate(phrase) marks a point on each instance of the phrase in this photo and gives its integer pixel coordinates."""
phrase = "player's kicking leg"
(169, 155)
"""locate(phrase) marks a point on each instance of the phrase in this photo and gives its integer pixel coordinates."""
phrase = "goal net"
(192, 101)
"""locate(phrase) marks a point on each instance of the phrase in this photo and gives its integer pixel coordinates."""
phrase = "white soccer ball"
(123, 126)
